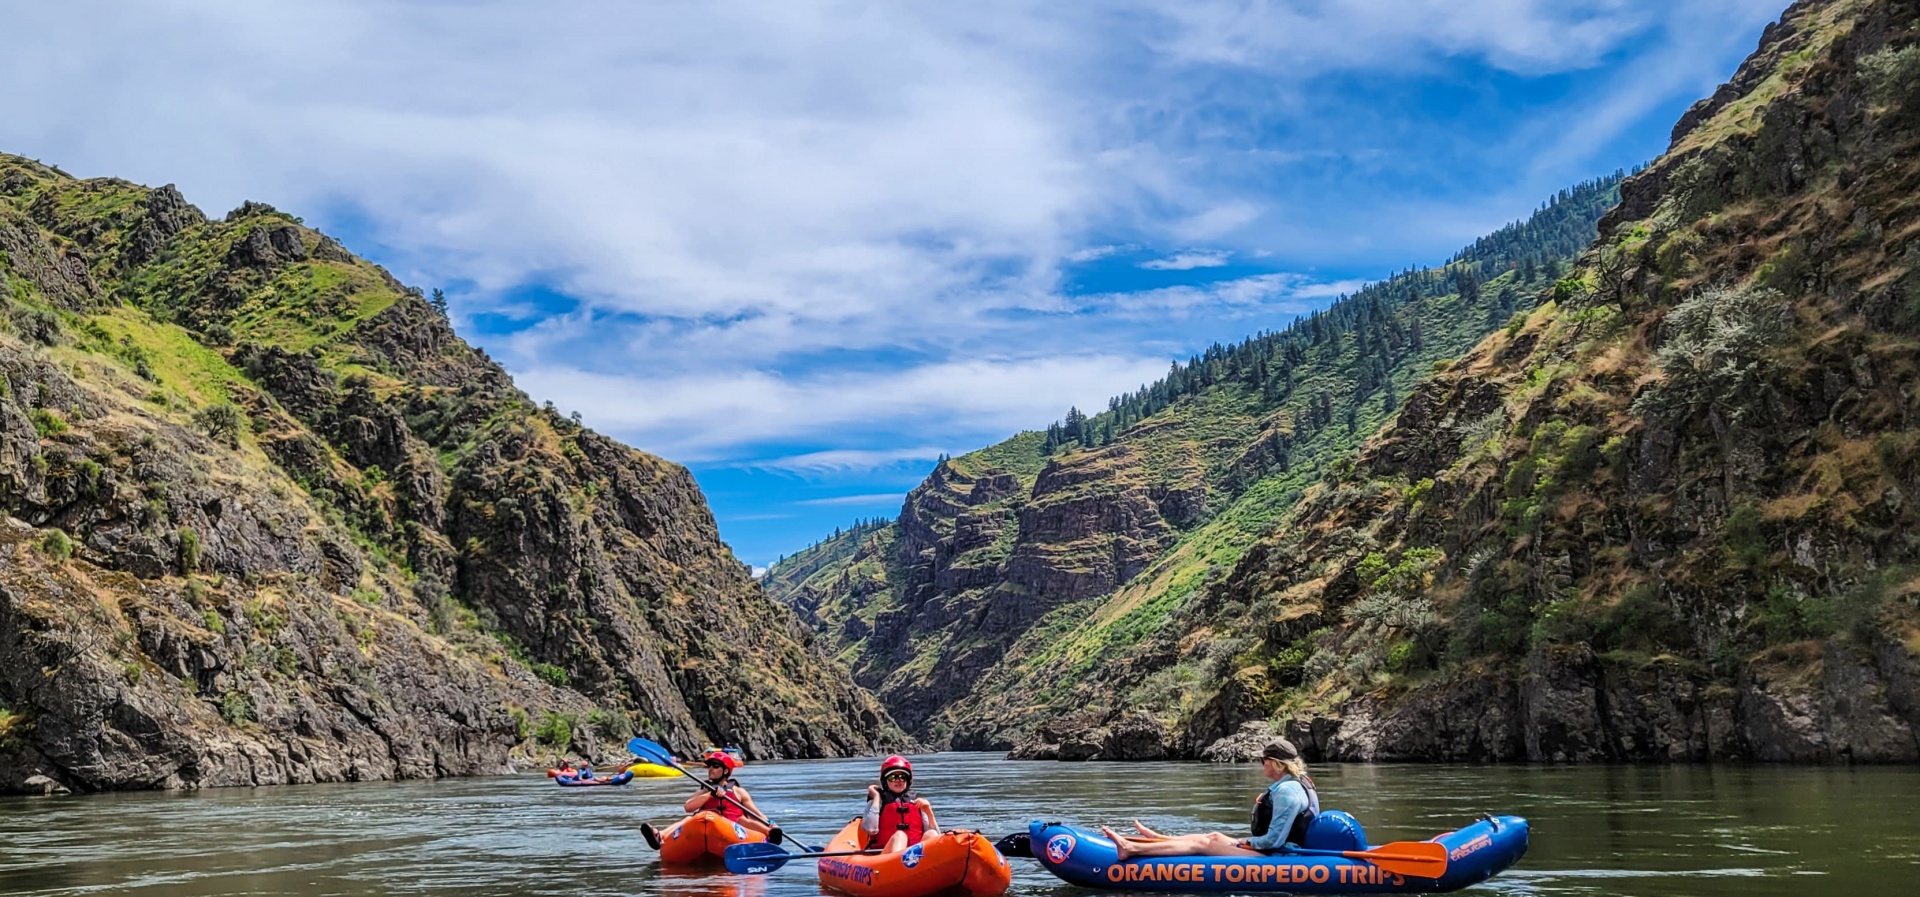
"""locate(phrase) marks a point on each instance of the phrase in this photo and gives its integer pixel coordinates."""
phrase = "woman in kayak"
(1280, 816)
(896, 817)
(725, 797)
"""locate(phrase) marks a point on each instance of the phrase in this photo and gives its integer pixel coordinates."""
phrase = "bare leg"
(753, 825)
(1147, 832)
(1209, 844)
(896, 842)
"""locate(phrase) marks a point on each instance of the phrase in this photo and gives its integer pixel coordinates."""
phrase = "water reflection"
(1653, 831)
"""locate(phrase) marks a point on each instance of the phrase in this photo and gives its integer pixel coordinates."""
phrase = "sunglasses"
(713, 764)
(899, 777)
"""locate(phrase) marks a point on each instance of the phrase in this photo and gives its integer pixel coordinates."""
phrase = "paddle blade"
(651, 752)
(1418, 859)
(755, 858)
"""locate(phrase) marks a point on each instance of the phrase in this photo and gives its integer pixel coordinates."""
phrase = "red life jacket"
(725, 808)
(901, 814)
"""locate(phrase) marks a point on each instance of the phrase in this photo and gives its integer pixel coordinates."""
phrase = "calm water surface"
(1655, 831)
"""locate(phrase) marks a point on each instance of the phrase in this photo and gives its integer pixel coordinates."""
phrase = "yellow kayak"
(653, 771)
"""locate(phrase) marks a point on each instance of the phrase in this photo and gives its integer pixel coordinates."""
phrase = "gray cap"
(1280, 749)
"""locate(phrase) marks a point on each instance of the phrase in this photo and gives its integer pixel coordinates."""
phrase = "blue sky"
(806, 247)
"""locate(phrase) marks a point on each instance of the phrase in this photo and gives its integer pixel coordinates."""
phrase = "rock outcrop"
(1661, 518)
(1015, 572)
(1663, 512)
(269, 519)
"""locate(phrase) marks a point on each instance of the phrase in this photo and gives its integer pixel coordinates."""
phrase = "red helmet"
(724, 759)
(895, 762)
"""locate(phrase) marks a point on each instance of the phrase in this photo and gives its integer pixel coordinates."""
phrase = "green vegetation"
(1233, 437)
(48, 423)
(235, 708)
(555, 730)
(56, 544)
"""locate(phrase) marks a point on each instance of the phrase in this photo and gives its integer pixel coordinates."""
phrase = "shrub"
(214, 622)
(189, 549)
(37, 325)
(1715, 357)
(235, 708)
(431, 592)
(48, 423)
(56, 544)
(521, 728)
(550, 674)
(555, 729)
(1516, 324)
(1892, 77)
(221, 423)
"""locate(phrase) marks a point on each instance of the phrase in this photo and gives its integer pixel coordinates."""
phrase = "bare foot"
(1147, 831)
(1121, 849)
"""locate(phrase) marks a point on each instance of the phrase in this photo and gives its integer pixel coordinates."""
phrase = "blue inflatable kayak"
(1086, 858)
(576, 782)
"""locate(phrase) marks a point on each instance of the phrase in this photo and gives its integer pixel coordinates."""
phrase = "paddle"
(760, 858)
(654, 753)
(1419, 859)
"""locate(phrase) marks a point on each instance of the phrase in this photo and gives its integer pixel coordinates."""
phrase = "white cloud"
(875, 498)
(1094, 253)
(696, 417)
(839, 462)
(1187, 261)
(738, 190)
(1279, 296)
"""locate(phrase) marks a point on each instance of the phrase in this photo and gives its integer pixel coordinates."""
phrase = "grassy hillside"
(255, 487)
(1018, 569)
(1666, 514)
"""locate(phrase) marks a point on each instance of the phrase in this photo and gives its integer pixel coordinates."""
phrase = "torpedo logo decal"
(739, 832)
(1059, 847)
(912, 857)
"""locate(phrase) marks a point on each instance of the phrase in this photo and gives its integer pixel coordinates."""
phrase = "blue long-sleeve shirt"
(1289, 799)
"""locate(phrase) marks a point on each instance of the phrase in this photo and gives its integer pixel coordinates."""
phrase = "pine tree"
(439, 302)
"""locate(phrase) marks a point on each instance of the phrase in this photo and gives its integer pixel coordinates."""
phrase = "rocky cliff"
(1663, 512)
(1666, 515)
(1015, 573)
(269, 519)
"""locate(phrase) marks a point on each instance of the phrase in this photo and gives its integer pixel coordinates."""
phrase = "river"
(1681, 831)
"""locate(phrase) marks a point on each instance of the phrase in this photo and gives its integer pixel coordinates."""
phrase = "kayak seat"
(1335, 830)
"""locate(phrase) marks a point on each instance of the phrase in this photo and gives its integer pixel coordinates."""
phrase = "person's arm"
(926, 812)
(694, 802)
(746, 801)
(1288, 800)
(870, 823)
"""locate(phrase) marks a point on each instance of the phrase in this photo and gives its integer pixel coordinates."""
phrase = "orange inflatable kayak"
(957, 862)
(703, 837)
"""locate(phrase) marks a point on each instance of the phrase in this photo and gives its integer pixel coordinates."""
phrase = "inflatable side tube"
(1086, 858)
(959, 863)
(703, 838)
(607, 781)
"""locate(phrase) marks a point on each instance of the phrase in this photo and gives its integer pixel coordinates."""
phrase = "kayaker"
(1280, 816)
(583, 770)
(896, 817)
(724, 796)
